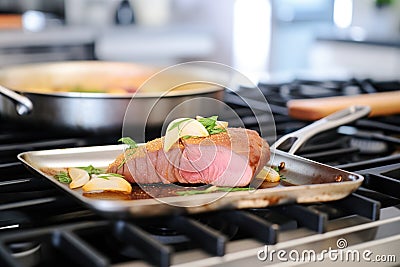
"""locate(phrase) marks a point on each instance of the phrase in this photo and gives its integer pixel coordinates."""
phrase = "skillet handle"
(334, 120)
(23, 105)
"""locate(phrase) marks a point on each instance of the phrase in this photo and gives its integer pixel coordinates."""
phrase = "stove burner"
(13, 220)
(26, 253)
(165, 234)
(370, 147)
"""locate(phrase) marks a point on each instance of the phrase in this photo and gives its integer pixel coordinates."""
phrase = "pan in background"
(92, 96)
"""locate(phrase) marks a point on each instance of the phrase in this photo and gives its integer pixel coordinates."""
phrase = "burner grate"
(155, 240)
(334, 147)
(38, 220)
(306, 217)
(384, 180)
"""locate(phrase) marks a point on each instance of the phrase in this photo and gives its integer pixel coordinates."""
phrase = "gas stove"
(42, 226)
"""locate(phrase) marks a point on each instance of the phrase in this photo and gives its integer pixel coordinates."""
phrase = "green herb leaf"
(126, 158)
(107, 176)
(213, 189)
(132, 145)
(217, 130)
(63, 177)
(121, 164)
(276, 168)
(211, 125)
(91, 170)
(208, 123)
(128, 141)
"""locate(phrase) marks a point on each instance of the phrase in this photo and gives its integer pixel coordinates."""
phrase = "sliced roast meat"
(229, 159)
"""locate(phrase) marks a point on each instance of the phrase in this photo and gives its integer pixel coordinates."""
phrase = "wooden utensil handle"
(387, 103)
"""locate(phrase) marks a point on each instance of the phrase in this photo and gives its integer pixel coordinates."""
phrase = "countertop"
(48, 37)
(120, 42)
(358, 36)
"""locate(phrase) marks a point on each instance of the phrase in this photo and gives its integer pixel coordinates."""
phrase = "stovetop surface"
(42, 226)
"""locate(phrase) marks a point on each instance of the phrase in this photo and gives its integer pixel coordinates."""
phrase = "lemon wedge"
(183, 127)
(269, 175)
(79, 177)
(110, 183)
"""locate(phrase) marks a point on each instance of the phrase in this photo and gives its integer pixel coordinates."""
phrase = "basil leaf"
(211, 125)
(276, 168)
(63, 177)
(91, 170)
(107, 176)
(131, 145)
(128, 141)
(213, 189)
(217, 130)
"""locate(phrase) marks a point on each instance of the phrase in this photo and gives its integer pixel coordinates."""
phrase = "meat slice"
(229, 159)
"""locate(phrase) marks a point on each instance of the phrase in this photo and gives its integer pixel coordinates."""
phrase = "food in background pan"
(115, 78)
(77, 77)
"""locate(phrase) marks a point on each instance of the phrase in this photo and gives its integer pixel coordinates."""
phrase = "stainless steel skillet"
(313, 181)
(93, 96)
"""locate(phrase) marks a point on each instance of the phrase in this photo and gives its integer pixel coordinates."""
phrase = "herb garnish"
(128, 141)
(213, 189)
(132, 146)
(91, 170)
(211, 125)
(63, 177)
(108, 175)
(278, 170)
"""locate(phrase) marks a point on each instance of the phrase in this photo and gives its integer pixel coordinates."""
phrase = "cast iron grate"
(336, 147)
(62, 229)
(35, 217)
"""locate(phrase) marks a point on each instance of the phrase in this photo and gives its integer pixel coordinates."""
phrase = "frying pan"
(92, 96)
(314, 181)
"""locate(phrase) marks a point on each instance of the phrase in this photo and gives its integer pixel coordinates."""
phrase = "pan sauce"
(148, 191)
(151, 191)
(165, 190)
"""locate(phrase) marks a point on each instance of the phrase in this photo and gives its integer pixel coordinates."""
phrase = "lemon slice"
(78, 176)
(183, 127)
(110, 183)
(269, 175)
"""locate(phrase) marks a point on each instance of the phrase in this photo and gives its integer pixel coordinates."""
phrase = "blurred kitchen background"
(332, 37)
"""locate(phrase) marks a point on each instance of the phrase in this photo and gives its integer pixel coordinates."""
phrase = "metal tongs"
(336, 119)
